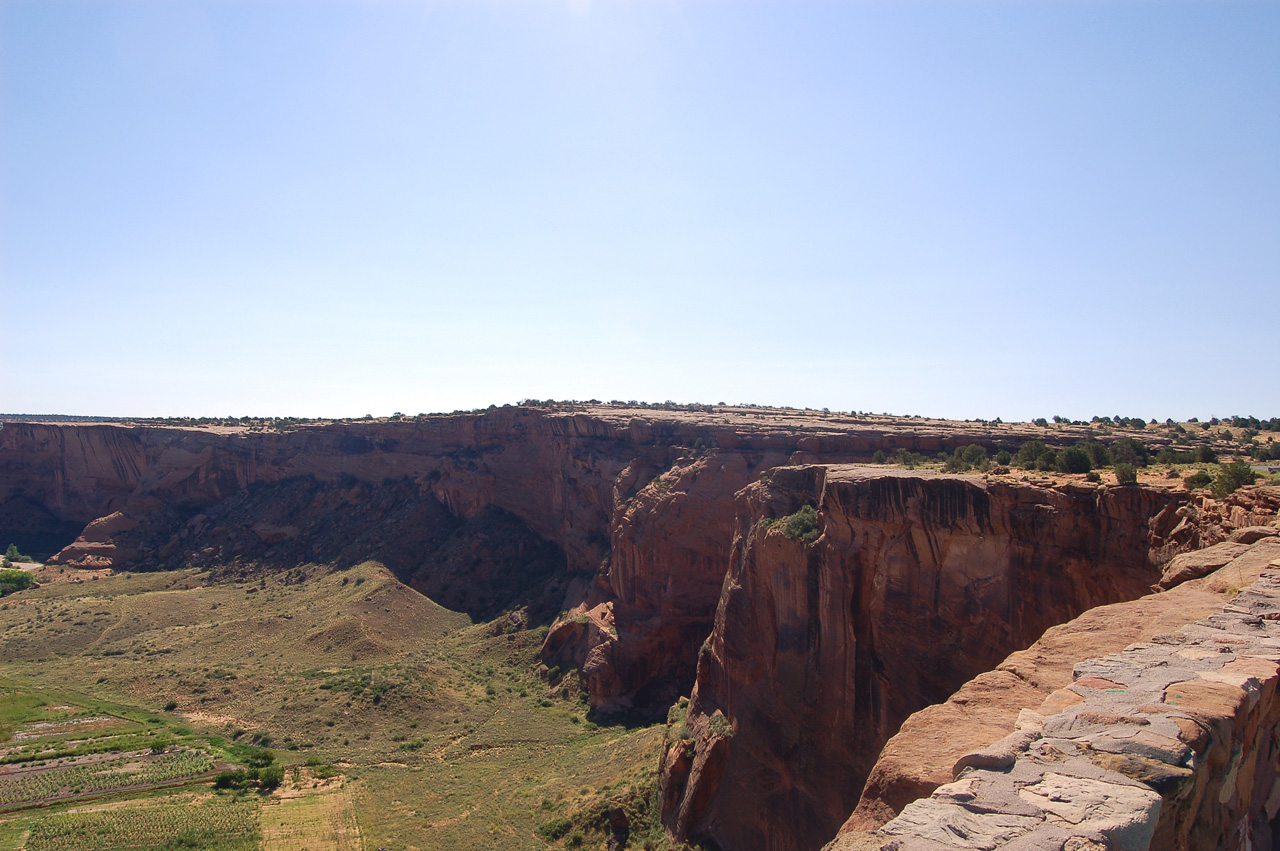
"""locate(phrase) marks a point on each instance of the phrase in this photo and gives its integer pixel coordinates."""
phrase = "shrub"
(170, 706)
(801, 526)
(1099, 455)
(1029, 453)
(1003, 457)
(720, 725)
(15, 580)
(1130, 451)
(879, 457)
(910, 460)
(1073, 459)
(270, 777)
(1198, 479)
(1126, 474)
(1205, 455)
(1092, 476)
(1231, 477)
(236, 779)
(554, 829)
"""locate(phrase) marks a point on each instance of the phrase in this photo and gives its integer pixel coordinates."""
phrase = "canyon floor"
(437, 733)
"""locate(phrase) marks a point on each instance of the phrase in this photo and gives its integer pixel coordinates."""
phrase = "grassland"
(402, 724)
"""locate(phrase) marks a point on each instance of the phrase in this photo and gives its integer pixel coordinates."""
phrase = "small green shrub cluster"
(1083, 457)
(1231, 477)
(908, 459)
(265, 778)
(966, 458)
(1198, 479)
(800, 526)
(1199, 455)
(12, 556)
(720, 725)
(12, 580)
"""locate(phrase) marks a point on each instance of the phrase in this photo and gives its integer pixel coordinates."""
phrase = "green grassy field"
(440, 732)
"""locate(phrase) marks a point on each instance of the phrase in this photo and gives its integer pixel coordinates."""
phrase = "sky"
(958, 209)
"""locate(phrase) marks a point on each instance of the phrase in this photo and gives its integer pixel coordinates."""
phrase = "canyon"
(660, 548)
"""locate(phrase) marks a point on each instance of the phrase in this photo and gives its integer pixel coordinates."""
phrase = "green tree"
(1029, 453)
(14, 580)
(1231, 477)
(1073, 459)
(1131, 451)
(1126, 474)
(1099, 455)
(1198, 479)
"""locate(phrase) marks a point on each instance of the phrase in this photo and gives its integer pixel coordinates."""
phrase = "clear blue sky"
(960, 209)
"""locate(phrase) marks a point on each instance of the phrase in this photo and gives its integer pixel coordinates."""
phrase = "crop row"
(216, 825)
(117, 773)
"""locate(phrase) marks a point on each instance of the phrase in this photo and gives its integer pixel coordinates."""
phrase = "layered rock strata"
(922, 755)
(1170, 744)
(912, 584)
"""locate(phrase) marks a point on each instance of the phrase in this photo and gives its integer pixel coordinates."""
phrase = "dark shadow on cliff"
(34, 528)
(483, 565)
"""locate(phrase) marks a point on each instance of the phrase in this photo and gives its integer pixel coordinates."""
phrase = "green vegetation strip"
(216, 825)
(123, 772)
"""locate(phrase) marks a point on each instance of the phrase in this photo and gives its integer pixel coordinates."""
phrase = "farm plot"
(212, 824)
(314, 817)
(39, 784)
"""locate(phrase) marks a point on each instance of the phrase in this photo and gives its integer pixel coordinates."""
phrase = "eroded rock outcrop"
(1170, 744)
(916, 583)
(924, 753)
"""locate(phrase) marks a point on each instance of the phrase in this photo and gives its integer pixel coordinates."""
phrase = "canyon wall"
(640, 501)
(915, 584)
(922, 754)
(1171, 744)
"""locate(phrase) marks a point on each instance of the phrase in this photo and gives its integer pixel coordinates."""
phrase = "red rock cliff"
(607, 485)
(821, 650)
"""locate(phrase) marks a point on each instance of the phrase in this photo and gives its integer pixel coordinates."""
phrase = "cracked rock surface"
(1173, 743)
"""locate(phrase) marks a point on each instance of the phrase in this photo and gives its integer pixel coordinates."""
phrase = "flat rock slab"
(1091, 773)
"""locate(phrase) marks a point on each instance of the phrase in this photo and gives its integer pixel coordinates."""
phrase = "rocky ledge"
(1170, 744)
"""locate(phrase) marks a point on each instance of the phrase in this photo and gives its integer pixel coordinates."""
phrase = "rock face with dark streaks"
(917, 583)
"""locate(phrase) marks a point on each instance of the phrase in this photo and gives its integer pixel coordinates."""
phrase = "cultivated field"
(400, 725)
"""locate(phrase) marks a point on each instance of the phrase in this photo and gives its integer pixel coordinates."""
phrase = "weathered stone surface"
(954, 826)
(922, 754)
(1126, 816)
(1200, 773)
(1252, 534)
(1200, 563)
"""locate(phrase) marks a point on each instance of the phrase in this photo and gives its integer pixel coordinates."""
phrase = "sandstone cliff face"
(921, 755)
(917, 583)
(637, 633)
(1169, 744)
